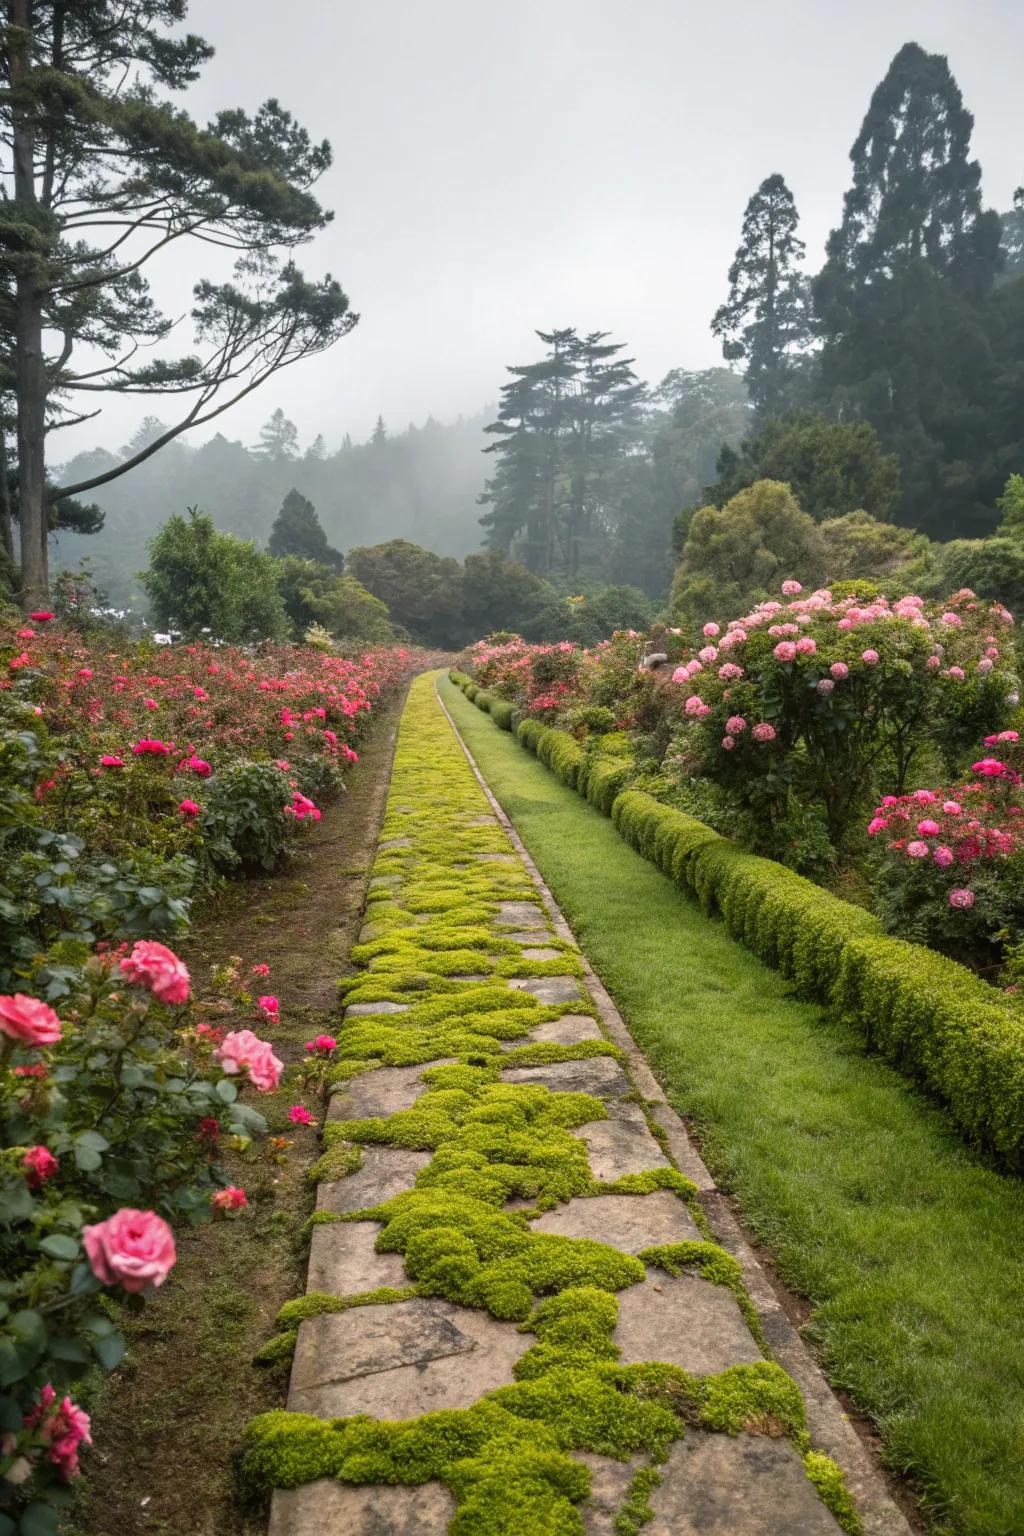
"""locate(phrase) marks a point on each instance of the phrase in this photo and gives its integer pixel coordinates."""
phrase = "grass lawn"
(910, 1252)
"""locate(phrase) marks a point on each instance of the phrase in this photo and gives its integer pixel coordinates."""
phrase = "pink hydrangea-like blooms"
(695, 667)
(869, 656)
(132, 1249)
(961, 898)
(952, 807)
(785, 651)
(735, 725)
(917, 850)
(681, 675)
(839, 670)
(27, 1021)
(846, 623)
(878, 824)
(710, 631)
(728, 742)
(729, 672)
(158, 969)
(825, 685)
(951, 620)
(763, 731)
(733, 637)
(241, 1050)
(933, 663)
(984, 665)
(943, 856)
(694, 704)
(957, 673)
(806, 646)
(791, 588)
(708, 654)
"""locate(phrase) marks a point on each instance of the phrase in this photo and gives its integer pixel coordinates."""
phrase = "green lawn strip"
(911, 1252)
(506, 1458)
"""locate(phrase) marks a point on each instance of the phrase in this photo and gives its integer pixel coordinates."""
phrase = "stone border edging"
(830, 1427)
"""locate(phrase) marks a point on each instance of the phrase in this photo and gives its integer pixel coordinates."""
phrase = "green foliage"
(245, 820)
(832, 467)
(201, 582)
(315, 594)
(297, 531)
(859, 547)
(420, 590)
(742, 551)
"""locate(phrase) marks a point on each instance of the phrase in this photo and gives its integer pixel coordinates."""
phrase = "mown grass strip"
(910, 1251)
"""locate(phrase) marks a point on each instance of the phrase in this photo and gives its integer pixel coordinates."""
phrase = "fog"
(556, 162)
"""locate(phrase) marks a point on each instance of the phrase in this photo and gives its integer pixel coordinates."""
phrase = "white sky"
(539, 163)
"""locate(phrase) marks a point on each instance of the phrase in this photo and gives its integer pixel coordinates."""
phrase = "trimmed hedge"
(926, 1014)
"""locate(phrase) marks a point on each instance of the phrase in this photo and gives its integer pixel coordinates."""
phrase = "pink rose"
(917, 850)
(989, 767)
(300, 1115)
(943, 856)
(952, 807)
(325, 1043)
(62, 1427)
(39, 1164)
(241, 1050)
(961, 899)
(785, 651)
(928, 828)
(108, 761)
(269, 1005)
(869, 656)
(188, 808)
(878, 824)
(231, 1198)
(806, 646)
(924, 797)
(27, 1021)
(131, 1248)
(158, 969)
(839, 670)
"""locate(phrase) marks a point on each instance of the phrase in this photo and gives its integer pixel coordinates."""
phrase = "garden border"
(829, 1424)
(926, 1014)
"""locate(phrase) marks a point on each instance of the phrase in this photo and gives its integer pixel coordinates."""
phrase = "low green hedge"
(928, 1015)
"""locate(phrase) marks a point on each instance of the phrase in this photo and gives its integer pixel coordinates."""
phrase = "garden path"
(473, 980)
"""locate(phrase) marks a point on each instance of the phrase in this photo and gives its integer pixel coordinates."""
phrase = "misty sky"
(541, 163)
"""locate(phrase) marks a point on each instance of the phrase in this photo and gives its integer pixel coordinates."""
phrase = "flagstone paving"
(402, 1355)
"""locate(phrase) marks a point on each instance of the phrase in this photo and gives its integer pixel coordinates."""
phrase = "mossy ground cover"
(909, 1250)
(441, 874)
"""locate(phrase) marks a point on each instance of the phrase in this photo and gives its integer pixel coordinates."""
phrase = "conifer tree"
(297, 530)
(764, 321)
(279, 439)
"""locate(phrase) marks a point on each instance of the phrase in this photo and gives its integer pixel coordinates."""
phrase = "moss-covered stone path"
(517, 1320)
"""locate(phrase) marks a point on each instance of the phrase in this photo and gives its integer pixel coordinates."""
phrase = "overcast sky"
(541, 163)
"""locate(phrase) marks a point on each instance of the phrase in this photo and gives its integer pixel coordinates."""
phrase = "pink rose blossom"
(300, 1115)
(961, 899)
(62, 1427)
(943, 856)
(839, 670)
(131, 1248)
(763, 732)
(325, 1043)
(107, 761)
(27, 1021)
(878, 824)
(928, 828)
(917, 850)
(869, 656)
(261, 970)
(989, 768)
(188, 808)
(158, 969)
(952, 807)
(230, 1198)
(270, 1006)
(924, 797)
(806, 646)
(39, 1164)
(241, 1050)
(785, 651)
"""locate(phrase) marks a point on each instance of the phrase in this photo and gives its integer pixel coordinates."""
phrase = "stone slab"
(396, 842)
(570, 1029)
(541, 952)
(327, 1508)
(366, 1010)
(520, 914)
(496, 858)
(599, 1075)
(609, 1484)
(385, 1172)
(621, 1145)
(380, 882)
(401, 1359)
(380, 1092)
(626, 1222)
(552, 991)
(529, 936)
(683, 1320)
(344, 1262)
(743, 1485)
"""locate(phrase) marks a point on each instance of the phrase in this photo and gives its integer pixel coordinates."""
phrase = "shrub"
(246, 822)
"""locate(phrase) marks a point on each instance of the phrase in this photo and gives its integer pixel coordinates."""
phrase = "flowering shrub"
(948, 862)
(112, 1105)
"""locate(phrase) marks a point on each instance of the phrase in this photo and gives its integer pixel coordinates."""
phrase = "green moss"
(317, 1303)
(760, 1399)
(337, 1162)
(635, 1510)
(828, 1478)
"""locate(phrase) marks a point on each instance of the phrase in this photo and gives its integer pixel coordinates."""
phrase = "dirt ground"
(167, 1424)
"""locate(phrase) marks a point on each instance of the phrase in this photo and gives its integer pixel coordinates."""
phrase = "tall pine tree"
(764, 321)
(297, 531)
(279, 438)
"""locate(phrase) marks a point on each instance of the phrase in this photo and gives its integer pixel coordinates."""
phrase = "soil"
(167, 1425)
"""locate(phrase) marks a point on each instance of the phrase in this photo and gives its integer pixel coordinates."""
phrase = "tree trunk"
(6, 524)
(30, 367)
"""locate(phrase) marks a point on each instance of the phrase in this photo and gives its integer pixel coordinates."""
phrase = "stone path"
(453, 887)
